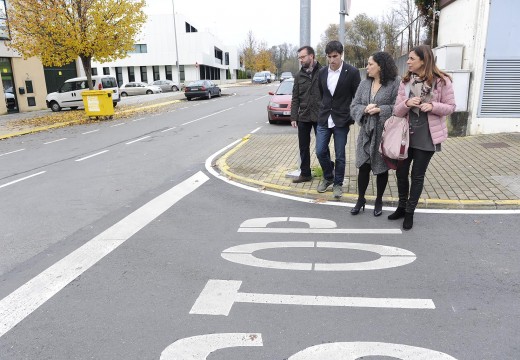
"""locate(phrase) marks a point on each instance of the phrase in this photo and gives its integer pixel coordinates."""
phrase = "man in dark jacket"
(305, 106)
(337, 83)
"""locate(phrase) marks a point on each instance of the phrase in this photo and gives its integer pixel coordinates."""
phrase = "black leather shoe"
(301, 179)
(378, 207)
(408, 221)
(397, 214)
(360, 204)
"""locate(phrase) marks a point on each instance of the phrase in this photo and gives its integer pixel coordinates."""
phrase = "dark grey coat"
(371, 126)
(306, 96)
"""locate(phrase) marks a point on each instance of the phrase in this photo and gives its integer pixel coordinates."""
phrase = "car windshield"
(259, 75)
(285, 88)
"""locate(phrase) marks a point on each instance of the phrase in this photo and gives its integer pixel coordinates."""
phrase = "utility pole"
(176, 47)
(305, 22)
(344, 9)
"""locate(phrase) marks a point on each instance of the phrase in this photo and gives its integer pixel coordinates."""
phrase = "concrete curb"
(424, 203)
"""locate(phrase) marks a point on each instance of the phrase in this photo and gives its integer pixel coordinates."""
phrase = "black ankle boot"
(397, 214)
(378, 207)
(408, 221)
(359, 204)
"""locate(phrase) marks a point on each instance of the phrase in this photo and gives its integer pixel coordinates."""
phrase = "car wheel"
(114, 103)
(123, 94)
(148, 92)
(189, 99)
(219, 93)
(209, 95)
(74, 108)
(55, 106)
(175, 88)
(270, 121)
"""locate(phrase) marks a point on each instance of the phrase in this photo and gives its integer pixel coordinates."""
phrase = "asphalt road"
(121, 243)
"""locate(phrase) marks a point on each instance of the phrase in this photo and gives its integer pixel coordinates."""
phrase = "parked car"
(166, 85)
(69, 94)
(202, 88)
(279, 107)
(139, 88)
(260, 78)
(286, 75)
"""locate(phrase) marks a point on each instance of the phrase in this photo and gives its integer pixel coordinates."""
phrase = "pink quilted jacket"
(443, 101)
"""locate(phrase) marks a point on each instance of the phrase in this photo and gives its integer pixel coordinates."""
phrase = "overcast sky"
(272, 21)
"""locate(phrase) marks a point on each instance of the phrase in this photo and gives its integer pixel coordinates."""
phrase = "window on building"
(140, 48)
(228, 74)
(131, 74)
(169, 72)
(94, 71)
(4, 27)
(144, 74)
(106, 71)
(119, 76)
(226, 58)
(190, 28)
(181, 73)
(209, 72)
(156, 75)
(218, 55)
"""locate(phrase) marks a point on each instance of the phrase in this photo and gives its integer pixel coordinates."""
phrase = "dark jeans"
(304, 141)
(332, 172)
(409, 195)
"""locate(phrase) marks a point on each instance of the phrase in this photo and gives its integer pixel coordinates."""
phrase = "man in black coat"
(337, 83)
(305, 107)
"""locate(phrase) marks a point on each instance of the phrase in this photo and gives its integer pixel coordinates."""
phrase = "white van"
(69, 94)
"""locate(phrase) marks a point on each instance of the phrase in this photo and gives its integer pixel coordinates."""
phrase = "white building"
(488, 31)
(201, 54)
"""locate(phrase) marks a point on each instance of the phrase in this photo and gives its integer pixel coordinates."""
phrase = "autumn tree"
(60, 31)
(249, 51)
(264, 59)
(429, 11)
(362, 39)
(331, 33)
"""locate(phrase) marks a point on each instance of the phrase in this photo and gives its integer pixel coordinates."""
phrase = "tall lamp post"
(344, 9)
(176, 47)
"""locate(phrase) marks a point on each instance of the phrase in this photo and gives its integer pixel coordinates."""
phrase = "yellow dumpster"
(98, 103)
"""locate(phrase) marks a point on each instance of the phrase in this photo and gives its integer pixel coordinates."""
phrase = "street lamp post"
(176, 47)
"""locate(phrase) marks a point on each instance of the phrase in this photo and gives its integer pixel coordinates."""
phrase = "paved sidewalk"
(474, 172)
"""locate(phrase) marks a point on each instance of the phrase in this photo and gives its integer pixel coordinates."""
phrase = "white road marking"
(136, 140)
(12, 152)
(241, 104)
(182, 108)
(319, 231)
(207, 116)
(314, 223)
(262, 97)
(210, 160)
(200, 347)
(96, 154)
(389, 256)
(53, 141)
(218, 296)
(90, 132)
(22, 179)
(139, 119)
(168, 129)
(360, 350)
(27, 298)
(117, 124)
(255, 130)
(159, 114)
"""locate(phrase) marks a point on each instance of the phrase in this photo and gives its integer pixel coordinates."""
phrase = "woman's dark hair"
(387, 64)
(431, 70)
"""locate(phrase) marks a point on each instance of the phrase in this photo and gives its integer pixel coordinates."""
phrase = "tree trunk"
(87, 67)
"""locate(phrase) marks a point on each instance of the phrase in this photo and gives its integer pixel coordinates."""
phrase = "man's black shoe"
(301, 179)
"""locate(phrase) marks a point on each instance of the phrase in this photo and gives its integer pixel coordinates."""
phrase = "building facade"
(200, 54)
(488, 32)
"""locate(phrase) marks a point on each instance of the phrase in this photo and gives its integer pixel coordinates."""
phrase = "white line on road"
(255, 130)
(319, 231)
(96, 154)
(23, 301)
(25, 178)
(218, 297)
(207, 116)
(139, 119)
(53, 141)
(262, 97)
(12, 152)
(144, 137)
(117, 124)
(240, 104)
(168, 129)
(90, 132)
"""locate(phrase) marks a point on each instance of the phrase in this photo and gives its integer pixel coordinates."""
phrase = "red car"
(279, 107)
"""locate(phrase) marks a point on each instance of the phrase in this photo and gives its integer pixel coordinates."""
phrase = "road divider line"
(90, 132)
(22, 179)
(12, 152)
(255, 130)
(262, 97)
(53, 141)
(139, 119)
(27, 298)
(88, 157)
(117, 124)
(207, 116)
(136, 140)
(168, 129)
(319, 231)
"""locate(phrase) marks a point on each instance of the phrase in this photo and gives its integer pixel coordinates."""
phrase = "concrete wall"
(30, 69)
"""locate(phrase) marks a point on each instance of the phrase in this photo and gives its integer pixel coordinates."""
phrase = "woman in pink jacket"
(425, 97)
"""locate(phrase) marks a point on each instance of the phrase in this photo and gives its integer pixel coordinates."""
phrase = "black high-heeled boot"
(359, 204)
(378, 207)
(397, 214)
(408, 221)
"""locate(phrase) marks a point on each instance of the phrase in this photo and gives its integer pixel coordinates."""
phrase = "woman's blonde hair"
(431, 70)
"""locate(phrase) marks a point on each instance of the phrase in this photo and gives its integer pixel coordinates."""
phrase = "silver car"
(138, 88)
(166, 85)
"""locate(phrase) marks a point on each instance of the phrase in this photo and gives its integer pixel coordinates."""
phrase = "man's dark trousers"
(304, 140)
